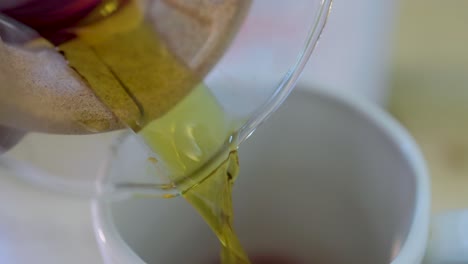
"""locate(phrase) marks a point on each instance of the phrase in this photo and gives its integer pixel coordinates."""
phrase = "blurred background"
(429, 91)
(411, 58)
(408, 56)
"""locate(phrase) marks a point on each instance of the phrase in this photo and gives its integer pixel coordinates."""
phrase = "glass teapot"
(63, 129)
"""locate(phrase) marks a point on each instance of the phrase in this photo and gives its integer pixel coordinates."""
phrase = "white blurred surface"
(43, 228)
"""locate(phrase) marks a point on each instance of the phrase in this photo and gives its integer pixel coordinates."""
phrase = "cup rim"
(411, 249)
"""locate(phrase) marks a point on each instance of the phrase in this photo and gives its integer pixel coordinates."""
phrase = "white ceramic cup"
(328, 179)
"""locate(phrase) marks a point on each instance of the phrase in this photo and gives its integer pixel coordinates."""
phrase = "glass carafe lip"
(108, 189)
(288, 82)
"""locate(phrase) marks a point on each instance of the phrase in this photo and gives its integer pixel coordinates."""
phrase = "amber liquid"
(119, 55)
(213, 199)
(125, 63)
(192, 140)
